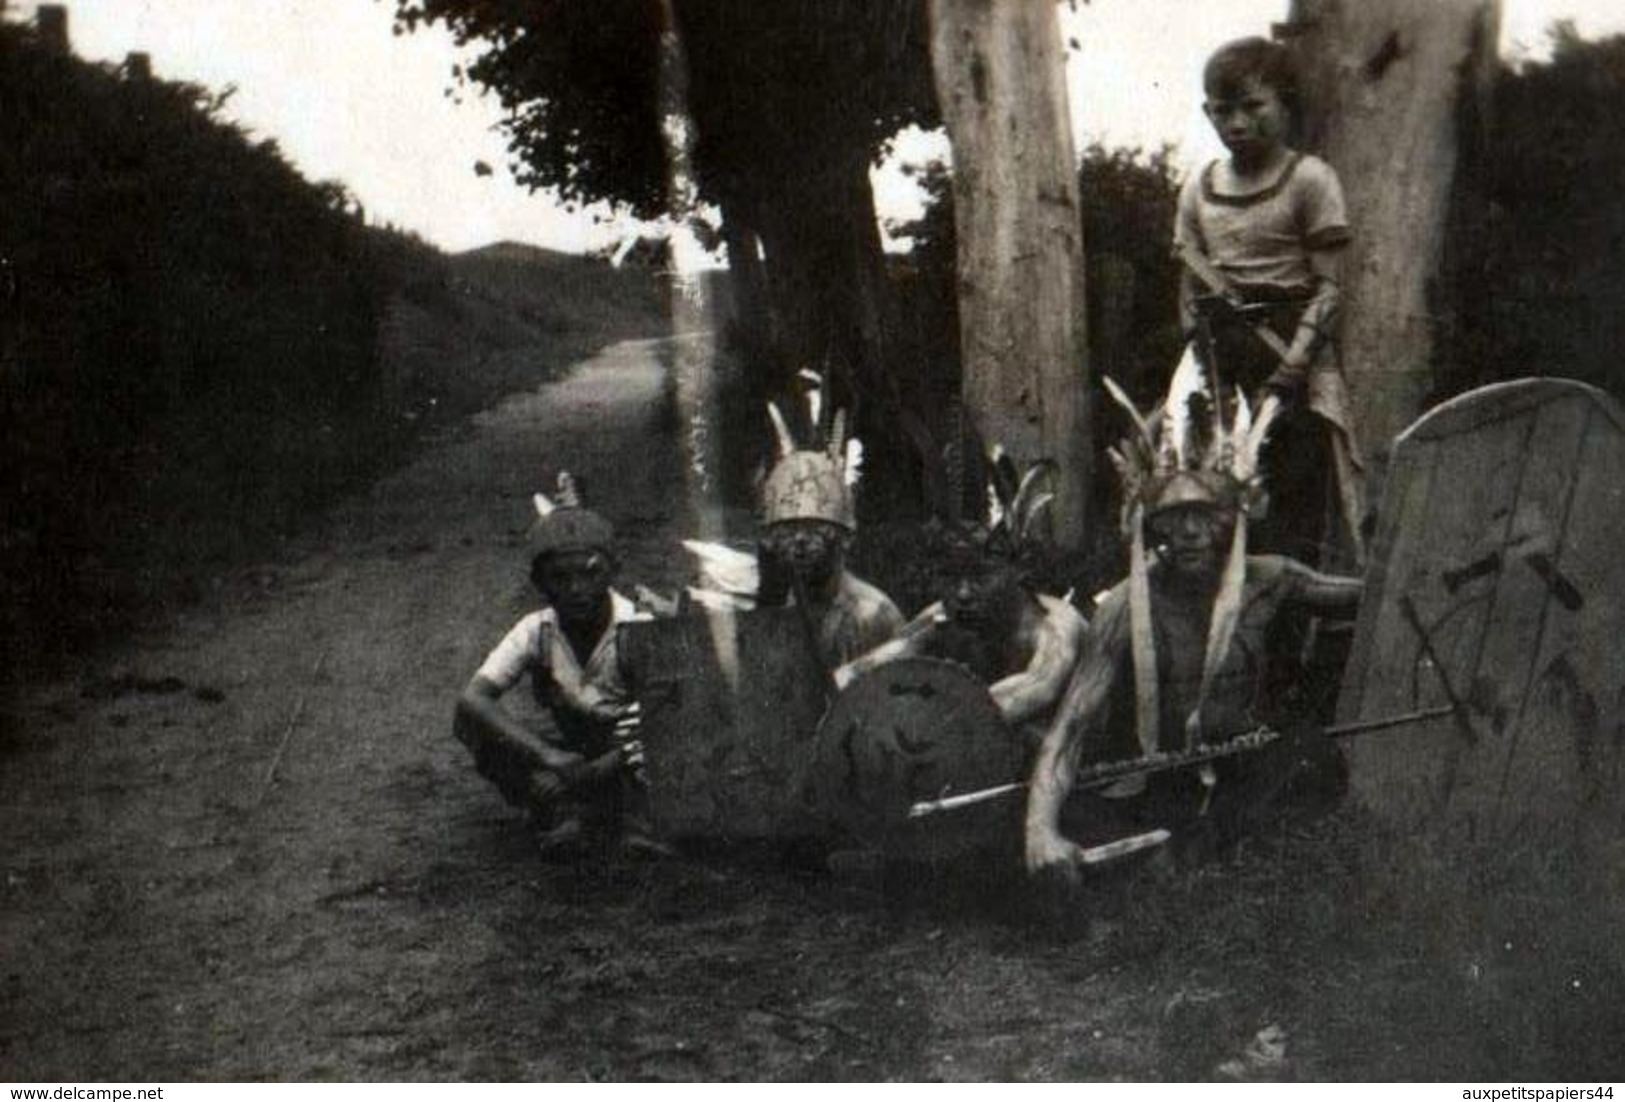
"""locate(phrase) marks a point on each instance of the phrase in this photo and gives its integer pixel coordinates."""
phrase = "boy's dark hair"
(1233, 63)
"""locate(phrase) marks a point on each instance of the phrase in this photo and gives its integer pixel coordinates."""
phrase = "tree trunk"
(1389, 85)
(784, 141)
(826, 284)
(1001, 83)
(694, 376)
(748, 282)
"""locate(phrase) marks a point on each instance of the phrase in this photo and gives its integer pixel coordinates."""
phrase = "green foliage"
(787, 103)
(1127, 198)
(191, 328)
(579, 83)
(768, 85)
(1553, 285)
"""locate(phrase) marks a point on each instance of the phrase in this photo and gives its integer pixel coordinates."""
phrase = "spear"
(1103, 773)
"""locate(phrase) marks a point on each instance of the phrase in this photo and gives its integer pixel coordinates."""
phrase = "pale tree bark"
(1395, 91)
(1001, 83)
(696, 378)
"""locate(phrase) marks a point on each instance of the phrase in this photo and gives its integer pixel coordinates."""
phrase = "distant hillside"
(502, 318)
(198, 346)
(521, 253)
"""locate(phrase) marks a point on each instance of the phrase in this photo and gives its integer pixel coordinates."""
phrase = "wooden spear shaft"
(1110, 771)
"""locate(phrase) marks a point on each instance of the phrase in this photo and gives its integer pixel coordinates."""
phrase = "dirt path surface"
(245, 846)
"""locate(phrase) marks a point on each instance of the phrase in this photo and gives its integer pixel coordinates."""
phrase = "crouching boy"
(581, 774)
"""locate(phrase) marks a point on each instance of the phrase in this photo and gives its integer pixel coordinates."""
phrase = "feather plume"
(1141, 424)
(1246, 461)
(1032, 511)
(853, 467)
(995, 506)
(1187, 381)
(568, 493)
(1020, 501)
(1235, 441)
(1003, 474)
(1168, 432)
(837, 434)
(815, 396)
(725, 569)
(781, 430)
(544, 504)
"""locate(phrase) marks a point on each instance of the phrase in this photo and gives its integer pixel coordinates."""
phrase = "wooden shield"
(730, 704)
(1497, 576)
(912, 730)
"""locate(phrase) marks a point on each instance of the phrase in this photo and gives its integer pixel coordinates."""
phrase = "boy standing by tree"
(1270, 222)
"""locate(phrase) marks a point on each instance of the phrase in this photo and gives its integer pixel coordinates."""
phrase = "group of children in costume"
(1229, 491)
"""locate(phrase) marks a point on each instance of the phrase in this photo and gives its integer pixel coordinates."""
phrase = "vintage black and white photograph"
(906, 541)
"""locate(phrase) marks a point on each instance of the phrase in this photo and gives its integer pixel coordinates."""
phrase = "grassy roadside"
(1382, 957)
(455, 335)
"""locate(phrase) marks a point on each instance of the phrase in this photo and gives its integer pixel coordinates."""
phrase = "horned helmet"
(563, 523)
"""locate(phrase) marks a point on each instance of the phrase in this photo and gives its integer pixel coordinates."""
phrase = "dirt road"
(245, 846)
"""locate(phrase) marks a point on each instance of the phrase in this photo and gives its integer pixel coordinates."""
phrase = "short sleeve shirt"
(1264, 238)
(593, 688)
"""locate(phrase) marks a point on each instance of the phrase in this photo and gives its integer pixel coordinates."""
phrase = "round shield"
(911, 732)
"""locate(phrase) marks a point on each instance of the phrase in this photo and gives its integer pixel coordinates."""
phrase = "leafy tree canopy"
(772, 87)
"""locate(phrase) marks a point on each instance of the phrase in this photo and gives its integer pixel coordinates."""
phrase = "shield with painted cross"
(1497, 583)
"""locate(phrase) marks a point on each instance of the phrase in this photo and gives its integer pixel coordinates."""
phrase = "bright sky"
(346, 99)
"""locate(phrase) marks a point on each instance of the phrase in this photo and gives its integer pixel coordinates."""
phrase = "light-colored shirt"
(536, 646)
(1264, 237)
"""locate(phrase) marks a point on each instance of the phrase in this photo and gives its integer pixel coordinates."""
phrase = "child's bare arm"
(1189, 290)
(1057, 764)
(1331, 595)
(1318, 321)
(1076, 720)
(480, 708)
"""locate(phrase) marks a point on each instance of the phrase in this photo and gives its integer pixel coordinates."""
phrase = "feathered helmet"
(813, 483)
(564, 524)
(1188, 453)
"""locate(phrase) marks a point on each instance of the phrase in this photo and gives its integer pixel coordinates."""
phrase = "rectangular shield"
(731, 701)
